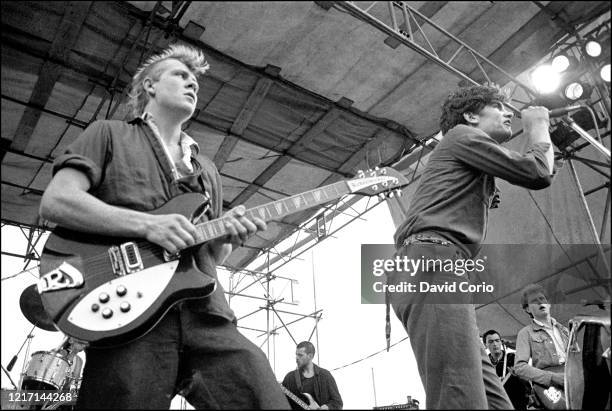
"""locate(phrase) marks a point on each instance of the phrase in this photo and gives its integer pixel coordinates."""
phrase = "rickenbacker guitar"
(552, 398)
(312, 404)
(106, 291)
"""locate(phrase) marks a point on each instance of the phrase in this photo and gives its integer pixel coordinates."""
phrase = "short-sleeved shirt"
(127, 166)
(456, 188)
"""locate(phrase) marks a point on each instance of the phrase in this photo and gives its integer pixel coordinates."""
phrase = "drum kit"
(57, 370)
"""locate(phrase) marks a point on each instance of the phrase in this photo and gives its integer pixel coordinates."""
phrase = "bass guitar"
(107, 291)
(312, 404)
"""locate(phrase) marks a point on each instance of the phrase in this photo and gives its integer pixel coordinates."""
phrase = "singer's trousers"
(454, 367)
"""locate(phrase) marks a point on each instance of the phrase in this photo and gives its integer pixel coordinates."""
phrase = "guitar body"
(552, 398)
(112, 307)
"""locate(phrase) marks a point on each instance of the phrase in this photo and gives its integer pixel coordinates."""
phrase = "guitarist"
(503, 361)
(104, 183)
(544, 341)
(311, 379)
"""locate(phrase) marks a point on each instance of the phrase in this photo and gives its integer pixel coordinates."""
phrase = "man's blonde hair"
(191, 57)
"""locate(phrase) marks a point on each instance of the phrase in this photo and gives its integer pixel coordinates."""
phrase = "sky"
(347, 333)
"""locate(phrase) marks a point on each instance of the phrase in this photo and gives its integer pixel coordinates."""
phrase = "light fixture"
(560, 63)
(605, 72)
(545, 79)
(592, 48)
(577, 90)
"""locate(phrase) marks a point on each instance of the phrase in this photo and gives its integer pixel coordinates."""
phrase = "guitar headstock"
(384, 182)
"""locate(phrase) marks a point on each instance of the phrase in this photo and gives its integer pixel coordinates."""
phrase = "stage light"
(577, 90)
(592, 48)
(545, 79)
(605, 72)
(560, 63)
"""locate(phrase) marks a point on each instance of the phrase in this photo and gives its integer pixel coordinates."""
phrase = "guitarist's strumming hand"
(239, 228)
(173, 232)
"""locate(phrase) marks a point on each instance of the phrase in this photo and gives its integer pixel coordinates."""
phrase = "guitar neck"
(294, 397)
(212, 229)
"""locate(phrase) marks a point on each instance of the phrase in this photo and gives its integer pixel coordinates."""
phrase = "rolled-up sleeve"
(529, 170)
(521, 365)
(89, 153)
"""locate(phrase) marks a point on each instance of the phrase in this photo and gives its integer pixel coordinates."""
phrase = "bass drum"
(587, 368)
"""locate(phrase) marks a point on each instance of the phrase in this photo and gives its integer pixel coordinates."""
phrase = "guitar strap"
(298, 379)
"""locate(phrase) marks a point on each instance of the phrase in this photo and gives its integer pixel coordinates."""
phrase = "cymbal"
(32, 308)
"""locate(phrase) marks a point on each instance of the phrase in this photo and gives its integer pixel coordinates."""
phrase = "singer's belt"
(425, 238)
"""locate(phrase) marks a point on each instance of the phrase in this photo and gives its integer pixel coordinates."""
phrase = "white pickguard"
(143, 288)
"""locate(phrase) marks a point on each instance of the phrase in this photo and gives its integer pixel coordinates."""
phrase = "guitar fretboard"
(210, 230)
(294, 397)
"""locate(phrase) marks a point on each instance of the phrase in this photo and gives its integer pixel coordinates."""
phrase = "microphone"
(559, 112)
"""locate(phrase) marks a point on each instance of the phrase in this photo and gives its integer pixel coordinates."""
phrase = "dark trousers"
(204, 358)
(454, 367)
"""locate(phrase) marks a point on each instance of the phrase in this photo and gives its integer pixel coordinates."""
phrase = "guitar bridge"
(125, 259)
(64, 276)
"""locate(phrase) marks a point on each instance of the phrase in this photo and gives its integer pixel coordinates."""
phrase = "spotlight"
(576, 91)
(545, 79)
(592, 48)
(605, 72)
(560, 63)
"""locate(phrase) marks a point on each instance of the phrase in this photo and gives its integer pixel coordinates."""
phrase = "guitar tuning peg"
(391, 194)
(382, 196)
(360, 174)
(376, 168)
(385, 184)
(399, 192)
(383, 171)
(375, 187)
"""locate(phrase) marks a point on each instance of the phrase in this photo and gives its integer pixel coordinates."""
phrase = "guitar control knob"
(104, 297)
(121, 291)
(107, 313)
(95, 308)
(125, 307)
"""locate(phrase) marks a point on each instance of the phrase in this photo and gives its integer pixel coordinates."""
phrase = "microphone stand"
(598, 146)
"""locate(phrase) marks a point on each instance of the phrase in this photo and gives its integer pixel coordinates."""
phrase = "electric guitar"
(312, 404)
(107, 291)
(552, 398)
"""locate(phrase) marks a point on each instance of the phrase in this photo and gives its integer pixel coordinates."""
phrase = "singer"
(447, 218)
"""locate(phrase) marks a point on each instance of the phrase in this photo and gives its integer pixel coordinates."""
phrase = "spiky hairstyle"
(191, 57)
(468, 100)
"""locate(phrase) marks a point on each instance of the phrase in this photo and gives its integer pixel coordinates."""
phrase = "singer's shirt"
(456, 188)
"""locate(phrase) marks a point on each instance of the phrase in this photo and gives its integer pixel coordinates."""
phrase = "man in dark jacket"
(311, 379)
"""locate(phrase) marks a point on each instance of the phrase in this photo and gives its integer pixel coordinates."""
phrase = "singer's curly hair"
(468, 100)
(191, 57)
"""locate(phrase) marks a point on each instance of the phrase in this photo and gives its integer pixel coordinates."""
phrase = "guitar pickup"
(64, 276)
(125, 259)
